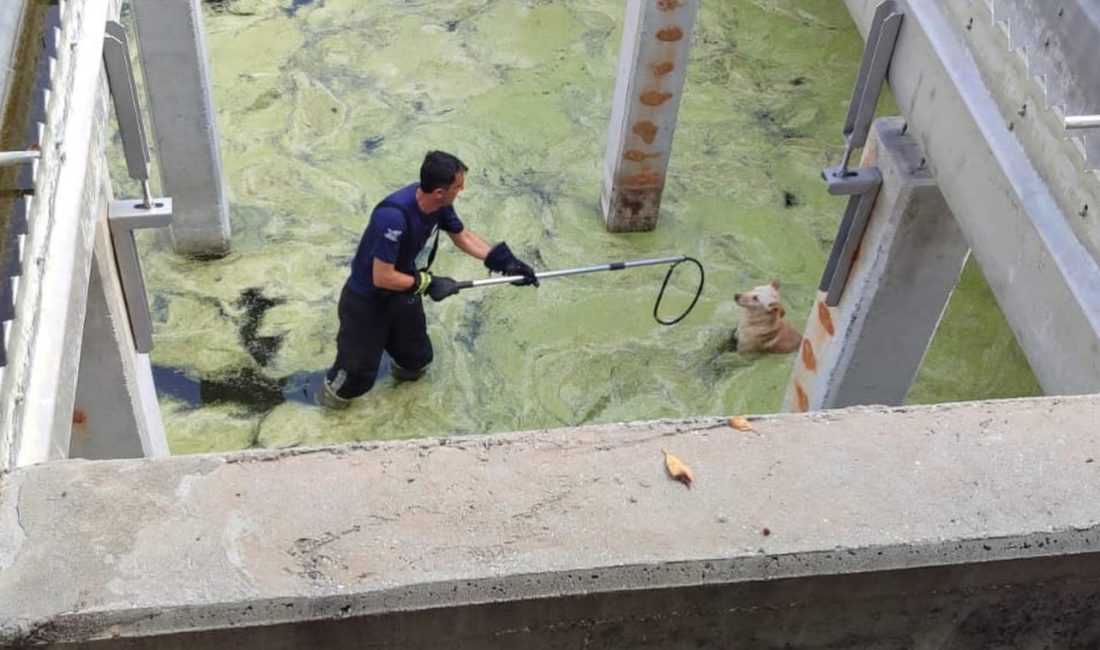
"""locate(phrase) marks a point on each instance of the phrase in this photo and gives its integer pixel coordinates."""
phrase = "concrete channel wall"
(958, 526)
(71, 191)
(1016, 184)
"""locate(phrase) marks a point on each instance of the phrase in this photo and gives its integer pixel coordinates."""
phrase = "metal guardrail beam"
(127, 215)
(1046, 280)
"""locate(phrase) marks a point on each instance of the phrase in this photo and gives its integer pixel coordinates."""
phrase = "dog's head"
(764, 298)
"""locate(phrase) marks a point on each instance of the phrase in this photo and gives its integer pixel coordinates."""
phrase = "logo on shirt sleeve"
(392, 234)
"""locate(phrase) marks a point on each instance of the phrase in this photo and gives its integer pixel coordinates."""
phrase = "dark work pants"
(369, 325)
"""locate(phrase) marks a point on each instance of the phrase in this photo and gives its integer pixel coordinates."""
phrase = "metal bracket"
(127, 215)
(120, 79)
(848, 238)
(861, 185)
(124, 217)
(1082, 122)
(881, 39)
(18, 157)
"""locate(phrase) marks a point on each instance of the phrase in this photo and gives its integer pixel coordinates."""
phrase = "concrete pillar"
(176, 67)
(652, 65)
(116, 414)
(868, 349)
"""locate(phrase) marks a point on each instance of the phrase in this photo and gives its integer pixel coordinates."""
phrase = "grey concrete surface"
(868, 349)
(653, 58)
(119, 418)
(968, 525)
(38, 387)
(1059, 42)
(1015, 188)
(176, 72)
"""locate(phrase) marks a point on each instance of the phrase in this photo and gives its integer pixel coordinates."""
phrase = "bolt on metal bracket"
(125, 216)
(861, 185)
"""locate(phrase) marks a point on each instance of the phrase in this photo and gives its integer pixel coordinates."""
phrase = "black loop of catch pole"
(661, 295)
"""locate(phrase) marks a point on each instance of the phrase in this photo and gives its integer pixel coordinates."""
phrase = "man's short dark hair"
(439, 170)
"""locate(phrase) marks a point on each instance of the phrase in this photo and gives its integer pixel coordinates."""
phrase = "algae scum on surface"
(324, 107)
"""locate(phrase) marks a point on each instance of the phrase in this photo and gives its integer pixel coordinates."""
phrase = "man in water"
(380, 305)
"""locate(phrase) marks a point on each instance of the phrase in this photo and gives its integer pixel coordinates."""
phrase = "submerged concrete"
(970, 525)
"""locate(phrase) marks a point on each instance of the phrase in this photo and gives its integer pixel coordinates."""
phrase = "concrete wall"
(1015, 604)
(1013, 180)
(118, 418)
(39, 384)
(962, 526)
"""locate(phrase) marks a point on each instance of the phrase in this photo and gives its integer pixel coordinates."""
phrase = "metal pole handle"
(613, 266)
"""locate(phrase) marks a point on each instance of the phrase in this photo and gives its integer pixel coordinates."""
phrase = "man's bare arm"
(468, 241)
(386, 276)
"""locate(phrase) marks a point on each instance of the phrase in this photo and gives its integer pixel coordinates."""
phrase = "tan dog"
(763, 326)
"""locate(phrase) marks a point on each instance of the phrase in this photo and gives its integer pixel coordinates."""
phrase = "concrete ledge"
(533, 538)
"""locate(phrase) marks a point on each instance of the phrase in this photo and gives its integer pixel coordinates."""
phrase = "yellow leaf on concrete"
(741, 424)
(677, 469)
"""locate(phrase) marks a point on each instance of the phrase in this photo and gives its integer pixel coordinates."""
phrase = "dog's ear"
(775, 284)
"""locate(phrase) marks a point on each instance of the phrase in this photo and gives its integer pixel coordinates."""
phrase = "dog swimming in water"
(764, 327)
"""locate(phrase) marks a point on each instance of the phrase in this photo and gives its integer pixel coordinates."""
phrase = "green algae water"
(325, 107)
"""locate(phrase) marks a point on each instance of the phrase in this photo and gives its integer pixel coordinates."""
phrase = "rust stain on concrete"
(801, 401)
(809, 361)
(637, 155)
(645, 130)
(654, 98)
(642, 179)
(661, 69)
(670, 34)
(80, 424)
(668, 5)
(824, 317)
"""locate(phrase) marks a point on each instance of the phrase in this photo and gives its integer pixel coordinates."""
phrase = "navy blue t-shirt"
(392, 238)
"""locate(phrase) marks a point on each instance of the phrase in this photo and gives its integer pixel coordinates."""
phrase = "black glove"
(437, 287)
(501, 260)
(442, 287)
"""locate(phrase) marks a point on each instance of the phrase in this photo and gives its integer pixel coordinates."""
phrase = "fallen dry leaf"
(741, 424)
(677, 469)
